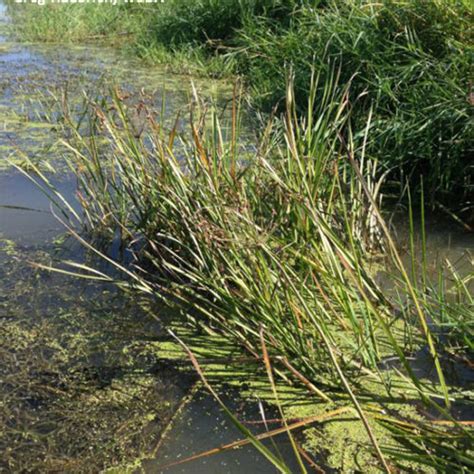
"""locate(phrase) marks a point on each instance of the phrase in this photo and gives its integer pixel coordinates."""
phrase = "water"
(25, 214)
(203, 427)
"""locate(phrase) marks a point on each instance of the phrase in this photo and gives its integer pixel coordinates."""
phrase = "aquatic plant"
(270, 246)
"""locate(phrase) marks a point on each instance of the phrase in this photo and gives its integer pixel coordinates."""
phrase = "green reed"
(274, 244)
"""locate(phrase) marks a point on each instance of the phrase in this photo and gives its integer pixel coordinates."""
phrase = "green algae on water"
(72, 396)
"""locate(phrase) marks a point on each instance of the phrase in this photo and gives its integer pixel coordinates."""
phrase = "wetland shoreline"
(271, 263)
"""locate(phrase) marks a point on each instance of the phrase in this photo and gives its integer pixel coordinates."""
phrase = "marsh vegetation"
(409, 63)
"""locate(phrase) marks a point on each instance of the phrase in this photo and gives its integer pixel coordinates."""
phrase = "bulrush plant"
(272, 246)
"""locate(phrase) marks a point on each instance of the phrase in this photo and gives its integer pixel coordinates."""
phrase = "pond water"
(80, 388)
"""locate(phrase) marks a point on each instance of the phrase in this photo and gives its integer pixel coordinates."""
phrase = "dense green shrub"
(210, 22)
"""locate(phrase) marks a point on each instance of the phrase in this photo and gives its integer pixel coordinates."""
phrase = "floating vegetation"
(77, 394)
(37, 80)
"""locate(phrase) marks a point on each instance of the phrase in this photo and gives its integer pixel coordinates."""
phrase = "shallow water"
(25, 212)
(202, 427)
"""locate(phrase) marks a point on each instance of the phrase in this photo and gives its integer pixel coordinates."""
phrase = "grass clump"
(409, 63)
(271, 248)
